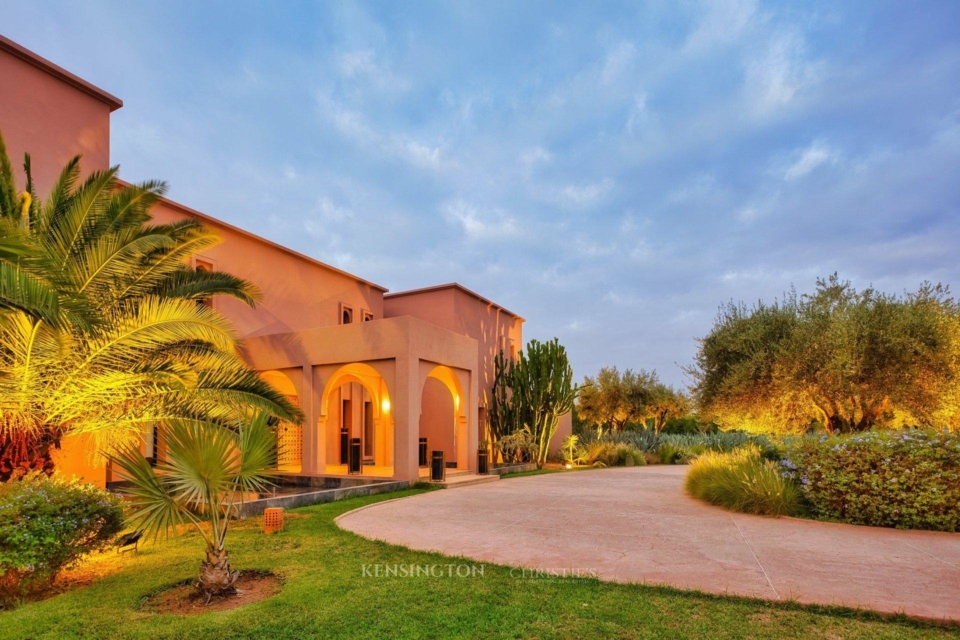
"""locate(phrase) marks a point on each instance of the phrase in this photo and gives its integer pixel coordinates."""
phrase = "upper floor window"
(203, 265)
(346, 314)
(367, 316)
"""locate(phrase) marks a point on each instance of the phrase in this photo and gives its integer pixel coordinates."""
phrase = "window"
(153, 436)
(203, 265)
(367, 316)
(346, 314)
(369, 436)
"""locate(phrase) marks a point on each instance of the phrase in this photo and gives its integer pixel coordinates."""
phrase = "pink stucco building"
(387, 368)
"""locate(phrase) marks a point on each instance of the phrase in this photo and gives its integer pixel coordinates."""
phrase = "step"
(457, 480)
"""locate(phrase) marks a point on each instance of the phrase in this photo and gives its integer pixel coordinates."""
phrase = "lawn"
(326, 595)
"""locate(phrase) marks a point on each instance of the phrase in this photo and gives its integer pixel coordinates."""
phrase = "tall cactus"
(542, 389)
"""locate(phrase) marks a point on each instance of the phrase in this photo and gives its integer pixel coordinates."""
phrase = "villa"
(369, 368)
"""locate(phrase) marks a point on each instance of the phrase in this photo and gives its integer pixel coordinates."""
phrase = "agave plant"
(101, 330)
(207, 472)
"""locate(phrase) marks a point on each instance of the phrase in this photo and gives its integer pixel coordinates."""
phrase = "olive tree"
(847, 359)
(617, 399)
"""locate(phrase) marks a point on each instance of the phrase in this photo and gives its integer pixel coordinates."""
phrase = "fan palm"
(101, 329)
(208, 471)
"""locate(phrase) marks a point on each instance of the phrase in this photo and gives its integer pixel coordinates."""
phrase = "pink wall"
(50, 118)
(437, 420)
(299, 293)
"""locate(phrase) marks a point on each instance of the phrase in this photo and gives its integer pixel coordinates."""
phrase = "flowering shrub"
(47, 524)
(903, 479)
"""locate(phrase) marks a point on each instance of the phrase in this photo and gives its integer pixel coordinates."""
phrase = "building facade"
(385, 368)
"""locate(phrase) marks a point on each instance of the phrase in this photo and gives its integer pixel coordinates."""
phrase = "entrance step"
(465, 479)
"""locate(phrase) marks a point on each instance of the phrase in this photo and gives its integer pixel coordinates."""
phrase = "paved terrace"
(638, 525)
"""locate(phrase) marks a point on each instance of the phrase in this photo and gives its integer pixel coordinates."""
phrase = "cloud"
(586, 194)
(353, 125)
(776, 77)
(815, 155)
(534, 156)
(722, 22)
(618, 60)
(363, 66)
(480, 225)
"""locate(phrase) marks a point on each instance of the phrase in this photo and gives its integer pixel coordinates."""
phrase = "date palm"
(101, 330)
(207, 472)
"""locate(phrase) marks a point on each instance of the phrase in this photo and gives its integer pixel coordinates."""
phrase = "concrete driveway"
(637, 525)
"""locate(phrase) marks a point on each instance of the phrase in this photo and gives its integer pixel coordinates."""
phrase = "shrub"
(609, 454)
(907, 479)
(743, 481)
(46, 525)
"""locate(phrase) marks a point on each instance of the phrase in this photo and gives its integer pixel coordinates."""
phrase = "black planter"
(423, 452)
(438, 470)
(483, 462)
(344, 445)
(354, 466)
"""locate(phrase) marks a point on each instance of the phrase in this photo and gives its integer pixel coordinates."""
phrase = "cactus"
(542, 388)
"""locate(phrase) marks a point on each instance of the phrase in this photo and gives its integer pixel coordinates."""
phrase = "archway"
(356, 405)
(289, 435)
(443, 418)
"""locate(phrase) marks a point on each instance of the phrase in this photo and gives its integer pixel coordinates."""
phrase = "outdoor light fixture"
(438, 469)
(385, 405)
(569, 466)
(483, 462)
(422, 457)
(354, 466)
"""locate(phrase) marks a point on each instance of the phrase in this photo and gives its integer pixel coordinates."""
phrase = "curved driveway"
(637, 525)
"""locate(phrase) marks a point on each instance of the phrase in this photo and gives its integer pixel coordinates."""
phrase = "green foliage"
(846, 359)
(907, 479)
(207, 472)
(100, 327)
(615, 400)
(48, 524)
(743, 481)
(531, 395)
(672, 448)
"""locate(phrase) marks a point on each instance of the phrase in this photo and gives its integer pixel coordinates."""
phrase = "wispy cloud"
(815, 155)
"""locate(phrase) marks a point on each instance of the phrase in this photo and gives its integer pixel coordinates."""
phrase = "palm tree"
(207, 472)
(101, 326)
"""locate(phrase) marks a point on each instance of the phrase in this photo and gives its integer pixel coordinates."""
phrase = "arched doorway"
(443, 419)
(289, 435)
(356, 405)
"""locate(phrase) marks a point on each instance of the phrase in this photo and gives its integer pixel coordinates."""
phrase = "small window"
(346, 314)
(203, 265)
(367, 316)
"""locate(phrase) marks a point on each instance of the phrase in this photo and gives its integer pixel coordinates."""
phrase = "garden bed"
(183, 599)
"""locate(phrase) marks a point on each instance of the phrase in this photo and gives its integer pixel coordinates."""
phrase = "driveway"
(637, 525)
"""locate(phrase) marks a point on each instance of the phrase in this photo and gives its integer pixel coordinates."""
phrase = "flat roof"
(220, 223)
(58, 72)
(453, 285)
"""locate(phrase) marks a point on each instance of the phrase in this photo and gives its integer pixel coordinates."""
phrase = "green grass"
(325, 596)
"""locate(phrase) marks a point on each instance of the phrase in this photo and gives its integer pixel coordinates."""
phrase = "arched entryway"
(356, 405)
(289, 436)
(443, 418)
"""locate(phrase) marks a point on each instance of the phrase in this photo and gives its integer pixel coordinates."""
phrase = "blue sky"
(612, 172)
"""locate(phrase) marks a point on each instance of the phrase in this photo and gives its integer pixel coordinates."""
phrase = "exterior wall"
(463, 312)
(401, 352)
(437, 421)
(298, 293)
(50, 119)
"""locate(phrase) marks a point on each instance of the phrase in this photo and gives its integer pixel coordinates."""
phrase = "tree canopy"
(103, 328)
(617, 399)
(847, 359)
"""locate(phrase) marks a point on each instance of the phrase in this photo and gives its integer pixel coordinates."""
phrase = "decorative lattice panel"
(273, 520)
(290, 445)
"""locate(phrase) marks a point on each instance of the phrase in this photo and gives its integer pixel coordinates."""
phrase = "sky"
(611, 172)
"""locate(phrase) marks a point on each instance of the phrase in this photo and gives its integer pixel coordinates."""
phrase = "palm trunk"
(21, 454)
(216, 578)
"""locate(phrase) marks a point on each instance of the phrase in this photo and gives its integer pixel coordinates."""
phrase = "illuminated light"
(385, 405)
(569, 466)
(456, 402)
